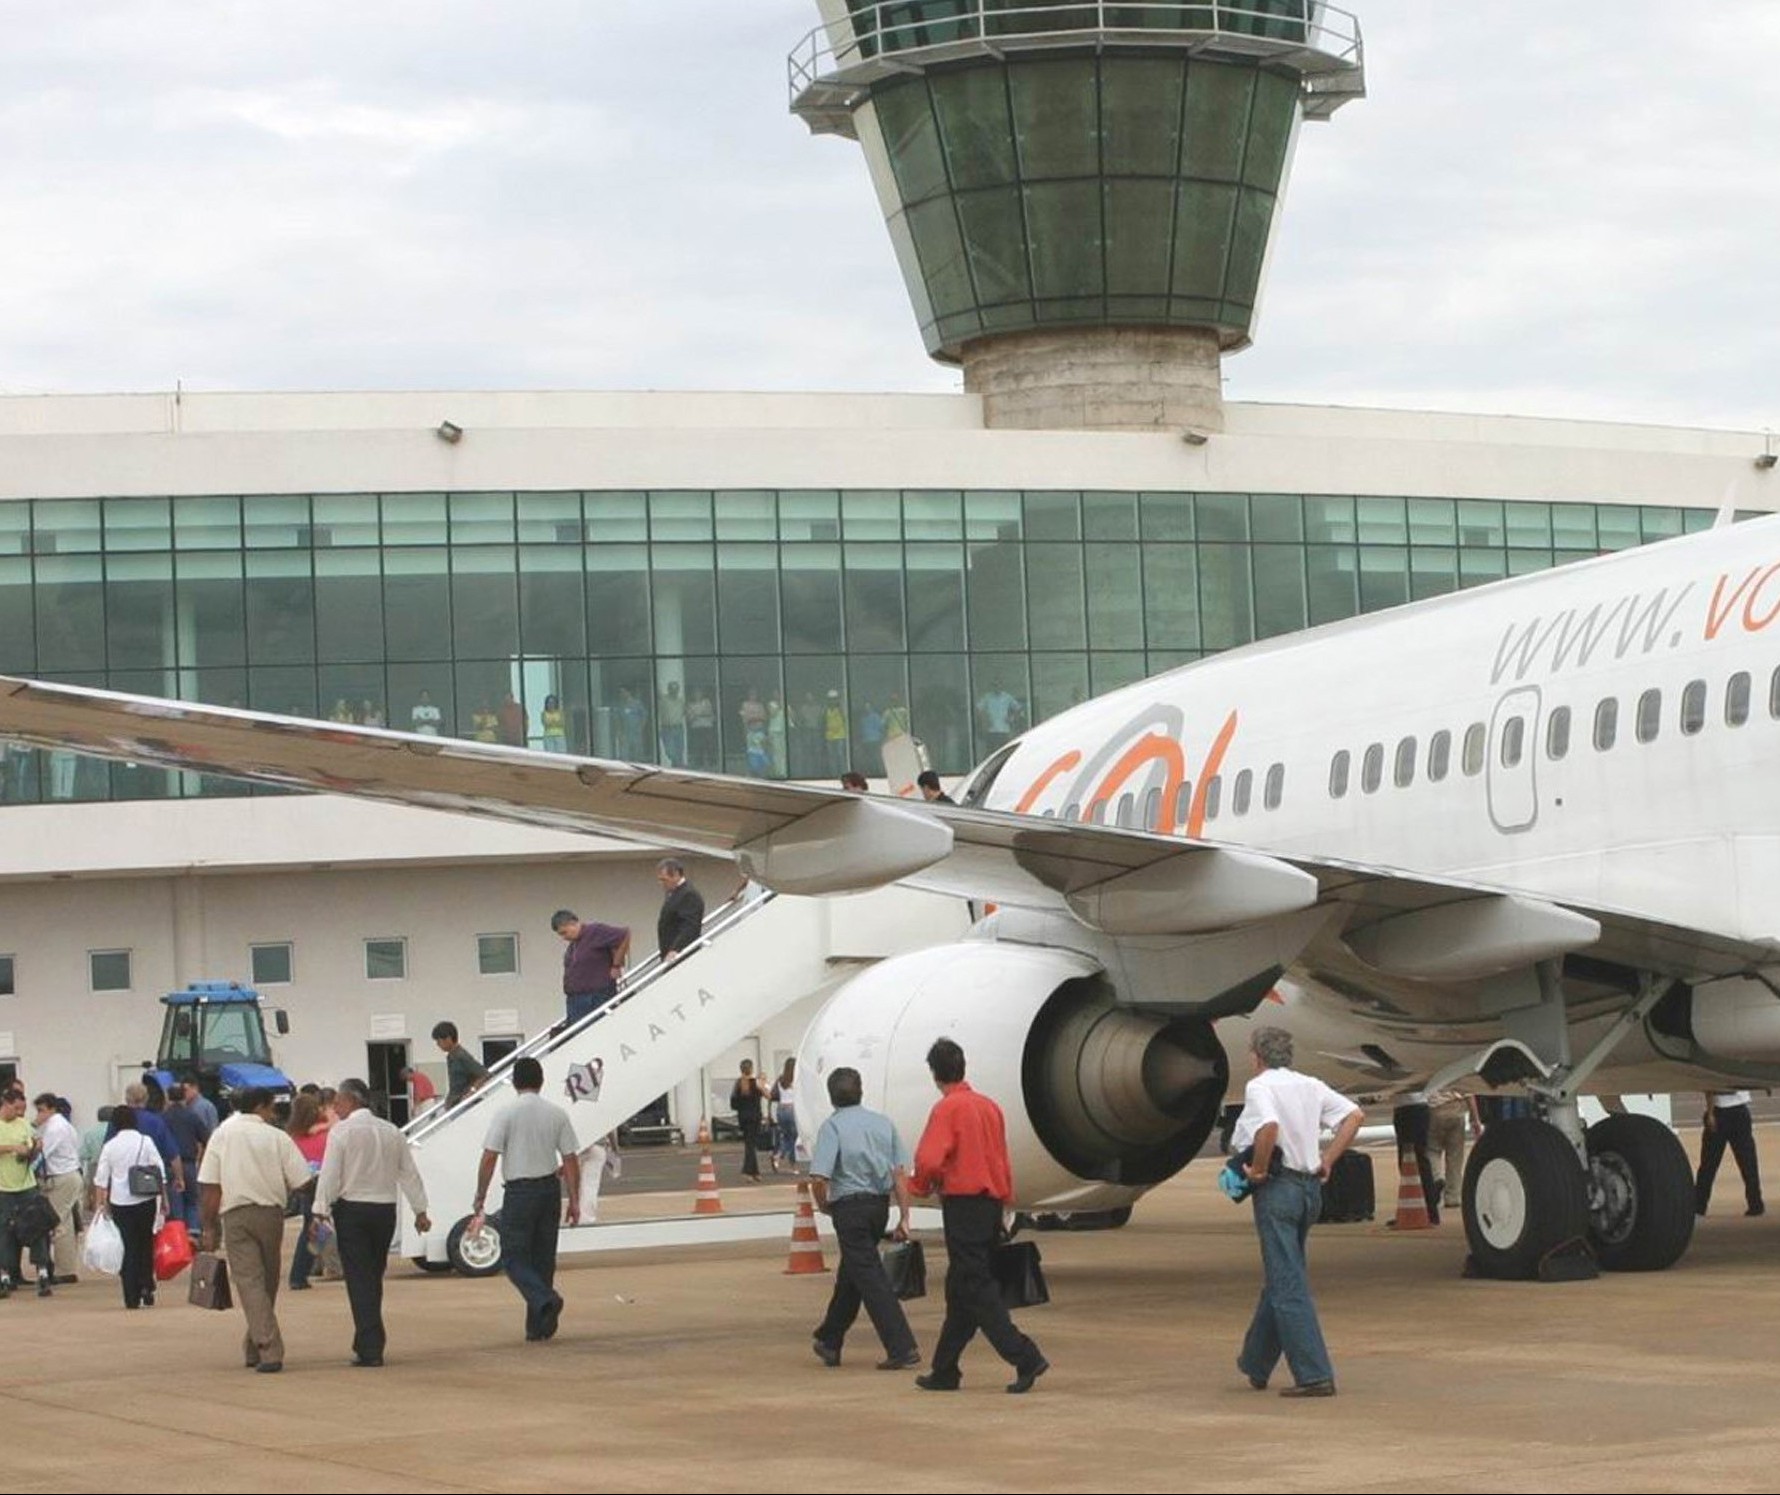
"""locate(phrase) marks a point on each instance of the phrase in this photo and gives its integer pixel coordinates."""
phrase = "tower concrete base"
(1099, 379)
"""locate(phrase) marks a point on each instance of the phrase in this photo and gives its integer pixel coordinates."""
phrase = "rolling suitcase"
(1348, 1195)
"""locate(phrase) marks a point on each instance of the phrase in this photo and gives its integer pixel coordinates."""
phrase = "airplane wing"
(1402, 942)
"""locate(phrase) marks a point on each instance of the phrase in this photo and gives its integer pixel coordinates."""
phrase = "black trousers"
(973, 1301)
(859, 1224)
(1734, 1128)
(136, 1224)
(364, 1232)
(750, 1146)
(531, 1215)
(1411, 1126)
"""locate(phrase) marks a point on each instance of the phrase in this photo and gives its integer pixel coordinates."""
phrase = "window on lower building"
(1557, 733)
(109, 970)
(7, 986)
(271, 964)
(497, 954)
(386, 960)
(1736, 699)
(1276, 786)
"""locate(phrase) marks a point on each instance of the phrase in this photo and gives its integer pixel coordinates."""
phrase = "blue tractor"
(215, 1032)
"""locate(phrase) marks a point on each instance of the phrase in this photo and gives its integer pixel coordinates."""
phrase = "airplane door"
(1510, 764)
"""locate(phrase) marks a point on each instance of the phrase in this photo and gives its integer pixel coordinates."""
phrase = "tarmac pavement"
(691, 1370)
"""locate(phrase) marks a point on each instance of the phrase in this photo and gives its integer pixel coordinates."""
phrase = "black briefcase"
(1348, 1194)
(34, 1219)
(1019, 1273)
(906, 1264)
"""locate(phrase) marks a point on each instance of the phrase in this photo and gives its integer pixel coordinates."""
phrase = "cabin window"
(1693, 708)
(1339, 767)
(1736, 699)
(1439, 755)
(1557, 733)
(1607, 723)
(1072, 812)
(1214, 794)
(1774, 696)
(1125, 811)
(1514, 741)
(1475, 736)
(1372, 768)
(1242, 791)
(1183, 802)
(1650, 715)
(1404, 770)
(1276, 786)
(1152, 809)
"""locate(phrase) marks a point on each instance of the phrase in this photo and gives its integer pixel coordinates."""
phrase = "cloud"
(1548, 213)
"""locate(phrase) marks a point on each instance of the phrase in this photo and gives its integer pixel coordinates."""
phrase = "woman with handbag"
(130, 1184)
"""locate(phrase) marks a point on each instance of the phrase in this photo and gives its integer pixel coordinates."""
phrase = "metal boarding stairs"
(757, 956)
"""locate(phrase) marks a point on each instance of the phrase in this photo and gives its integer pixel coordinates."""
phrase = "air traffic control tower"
(1081, 193)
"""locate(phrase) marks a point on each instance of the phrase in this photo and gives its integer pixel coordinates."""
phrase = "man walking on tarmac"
(532, 1139)
(963, 1156)
(367, 1161)
(859, 1162)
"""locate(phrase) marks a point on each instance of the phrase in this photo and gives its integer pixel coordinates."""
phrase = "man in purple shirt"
(593, 962)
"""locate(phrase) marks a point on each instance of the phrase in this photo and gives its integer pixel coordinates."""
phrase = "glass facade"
(898, 25)
(773, 633)
(1095, 190)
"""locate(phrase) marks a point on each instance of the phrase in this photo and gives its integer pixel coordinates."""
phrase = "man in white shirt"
(366, 1162)
(59, 1147)
(1728, 1123)
(249, 1169)
(1285, 1113)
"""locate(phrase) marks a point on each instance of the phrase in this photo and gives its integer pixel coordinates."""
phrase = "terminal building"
(1081, 199)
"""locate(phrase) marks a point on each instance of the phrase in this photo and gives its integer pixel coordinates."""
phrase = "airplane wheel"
(476, 1255)
(1525, 1195)
(1642, 1219)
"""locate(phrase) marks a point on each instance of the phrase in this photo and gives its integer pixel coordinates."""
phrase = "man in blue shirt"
(190, 1132)
(858, 1163)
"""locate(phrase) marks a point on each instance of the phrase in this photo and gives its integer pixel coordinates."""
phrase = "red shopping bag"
(173, 1250)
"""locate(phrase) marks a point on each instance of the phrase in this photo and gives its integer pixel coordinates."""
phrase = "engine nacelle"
(1103, 1101)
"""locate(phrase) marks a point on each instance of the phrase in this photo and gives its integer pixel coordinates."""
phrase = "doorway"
(384, 1063)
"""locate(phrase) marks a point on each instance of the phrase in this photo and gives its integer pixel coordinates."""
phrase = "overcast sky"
(1541, 209)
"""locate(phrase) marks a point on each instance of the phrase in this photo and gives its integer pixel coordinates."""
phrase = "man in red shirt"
(963, 1156)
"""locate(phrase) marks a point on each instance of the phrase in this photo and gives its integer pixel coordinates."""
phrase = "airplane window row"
(1512, 746)
(1133, 813)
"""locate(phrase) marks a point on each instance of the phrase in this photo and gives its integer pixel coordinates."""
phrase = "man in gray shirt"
(858, 1163)
(532, 1139)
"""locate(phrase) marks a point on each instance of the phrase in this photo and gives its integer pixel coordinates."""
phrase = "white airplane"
(1519, 835)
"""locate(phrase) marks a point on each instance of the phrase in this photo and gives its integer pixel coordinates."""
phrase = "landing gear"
(1640, 1194)
(1547, 1199)
(478, 1254)
(1526, 1198)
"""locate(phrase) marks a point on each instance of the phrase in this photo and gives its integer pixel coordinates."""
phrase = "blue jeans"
(530, 1211)
(1285, 1319)
(577, 1004)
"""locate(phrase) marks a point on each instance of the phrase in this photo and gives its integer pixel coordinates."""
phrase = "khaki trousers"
(253, 1241)
(1446, 1137)
(64, 1193)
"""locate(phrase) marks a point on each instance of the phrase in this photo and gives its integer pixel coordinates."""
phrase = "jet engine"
(1103, 1100)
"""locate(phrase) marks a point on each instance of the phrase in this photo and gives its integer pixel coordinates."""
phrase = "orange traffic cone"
(1412, 1204)
(710, 1198)
(806, 1245)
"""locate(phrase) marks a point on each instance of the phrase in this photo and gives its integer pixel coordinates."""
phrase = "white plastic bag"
(104, 1250)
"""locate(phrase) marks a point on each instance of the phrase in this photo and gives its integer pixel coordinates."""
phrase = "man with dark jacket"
(682, 917)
